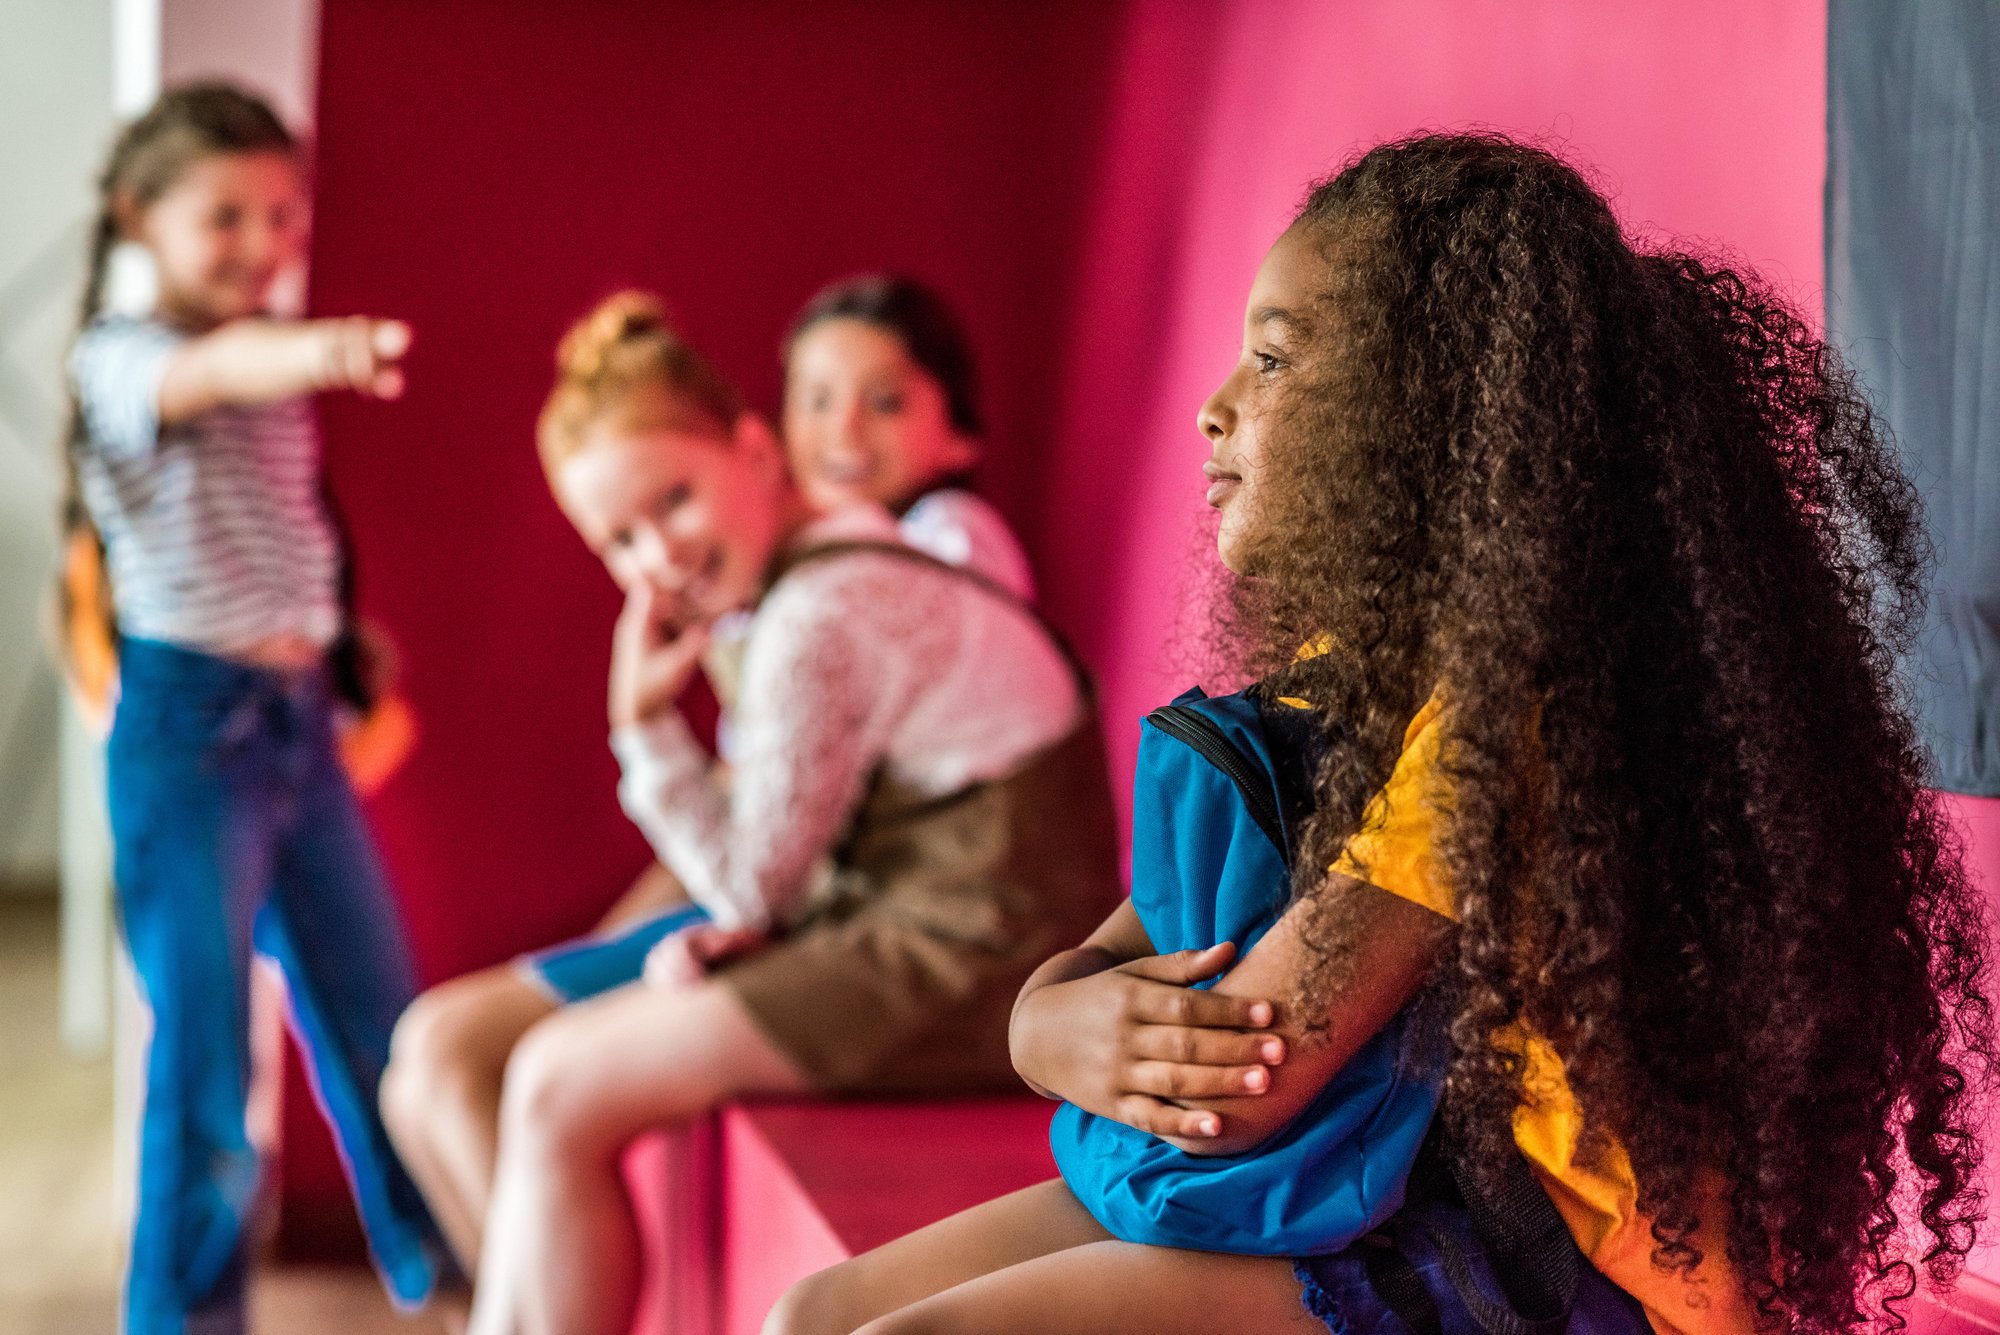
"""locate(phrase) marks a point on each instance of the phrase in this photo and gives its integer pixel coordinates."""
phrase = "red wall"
(1092, 183)
(487, 171)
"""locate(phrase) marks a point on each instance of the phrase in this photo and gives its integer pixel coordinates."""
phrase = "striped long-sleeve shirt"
(215, 530)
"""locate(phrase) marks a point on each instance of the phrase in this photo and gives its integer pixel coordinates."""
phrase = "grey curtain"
(1913, 294)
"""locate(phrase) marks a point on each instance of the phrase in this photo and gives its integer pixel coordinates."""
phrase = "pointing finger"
(391, 339)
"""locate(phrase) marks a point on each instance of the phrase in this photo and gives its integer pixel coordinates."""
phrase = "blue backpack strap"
(1208, 865)
(1198, 730)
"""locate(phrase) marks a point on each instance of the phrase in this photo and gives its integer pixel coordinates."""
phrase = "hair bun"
(621, 319)
(611, 357)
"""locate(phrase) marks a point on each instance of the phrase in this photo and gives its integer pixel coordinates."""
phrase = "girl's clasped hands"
(1138, 1042)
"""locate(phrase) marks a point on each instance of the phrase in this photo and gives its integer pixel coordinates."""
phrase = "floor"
(60, 1247)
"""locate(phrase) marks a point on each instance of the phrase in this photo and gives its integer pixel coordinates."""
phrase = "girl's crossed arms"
(1123, 1033)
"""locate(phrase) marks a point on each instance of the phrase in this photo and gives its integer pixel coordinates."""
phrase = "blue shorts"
(589, 965)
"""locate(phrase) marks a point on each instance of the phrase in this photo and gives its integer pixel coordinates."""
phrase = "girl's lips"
(846, 472)
(1220, 482)
(693, 597)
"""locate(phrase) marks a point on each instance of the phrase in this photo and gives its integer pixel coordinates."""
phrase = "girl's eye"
(887, 404)
(229, 215)
(676, 497)
(620, 540)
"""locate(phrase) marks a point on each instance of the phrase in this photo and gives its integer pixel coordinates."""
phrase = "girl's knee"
(409, 1082)
(909, 1321)
(451, 1046)
(545, 1100)
(430, 1063)
(810, 1307)
(833, 1302)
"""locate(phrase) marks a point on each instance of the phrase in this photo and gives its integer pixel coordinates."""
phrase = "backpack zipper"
(1198, 731)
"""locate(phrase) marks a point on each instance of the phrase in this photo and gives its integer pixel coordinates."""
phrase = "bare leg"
(1037, 1262)
(1005, 1232)
(441, 1092)
(1117, 1288)
(562, 1248)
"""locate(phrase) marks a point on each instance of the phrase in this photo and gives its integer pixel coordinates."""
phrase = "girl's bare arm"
(1119, 1031)
(1397, 944)
(262, 361)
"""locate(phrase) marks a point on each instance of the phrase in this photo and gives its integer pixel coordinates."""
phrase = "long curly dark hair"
(1640, 523)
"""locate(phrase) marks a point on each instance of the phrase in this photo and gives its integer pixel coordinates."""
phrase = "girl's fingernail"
(1274, 1051)
(1260, 1013)
(1256, 1078)
(1209, 1127)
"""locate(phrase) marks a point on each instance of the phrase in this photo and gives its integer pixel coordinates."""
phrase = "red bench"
(738, 1206)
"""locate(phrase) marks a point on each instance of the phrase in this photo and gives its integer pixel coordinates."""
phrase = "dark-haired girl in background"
(1604, 561)
(882, 405)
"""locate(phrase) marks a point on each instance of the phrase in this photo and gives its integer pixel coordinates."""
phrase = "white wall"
(56, 110)
(270, 47)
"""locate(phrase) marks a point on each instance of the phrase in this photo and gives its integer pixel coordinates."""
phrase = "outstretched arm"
(262, 361)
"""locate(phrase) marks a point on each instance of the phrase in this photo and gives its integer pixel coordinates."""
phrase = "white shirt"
(960, 529)
(855, 662)
(215, 530)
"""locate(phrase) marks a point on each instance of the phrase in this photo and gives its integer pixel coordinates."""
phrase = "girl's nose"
(261, 241)
(1215, 417)
(853, 425)
(680, 554)
(652, 556)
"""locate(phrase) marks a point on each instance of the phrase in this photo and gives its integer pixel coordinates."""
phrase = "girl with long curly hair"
(1590, 564)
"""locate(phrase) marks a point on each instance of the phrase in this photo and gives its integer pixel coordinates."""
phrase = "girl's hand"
(684, 958)
(361, 354)
(670, 965)
(263, 361)
(1131, 1041)
(651, 658)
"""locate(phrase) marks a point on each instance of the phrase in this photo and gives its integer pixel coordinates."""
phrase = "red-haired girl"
(916, 813)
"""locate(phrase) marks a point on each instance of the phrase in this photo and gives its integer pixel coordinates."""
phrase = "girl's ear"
(753, 436)
(129, 214)
(964, 452)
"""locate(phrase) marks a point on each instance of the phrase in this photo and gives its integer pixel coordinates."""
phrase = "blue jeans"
(235, 829)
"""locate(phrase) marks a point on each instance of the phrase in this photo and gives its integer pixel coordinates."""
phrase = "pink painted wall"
(1704, 119)
(1092, 183)
(1979, 824)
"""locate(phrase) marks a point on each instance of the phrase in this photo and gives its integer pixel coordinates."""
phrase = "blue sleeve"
(116, 367)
